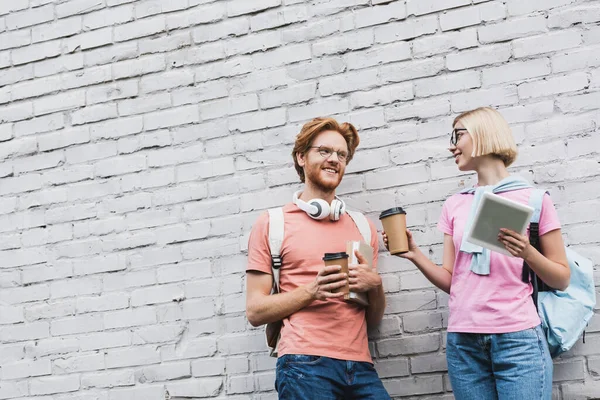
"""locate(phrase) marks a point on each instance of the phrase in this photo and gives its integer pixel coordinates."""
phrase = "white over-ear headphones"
(319, 208)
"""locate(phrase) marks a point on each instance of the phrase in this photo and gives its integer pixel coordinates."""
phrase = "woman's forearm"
(437, 275)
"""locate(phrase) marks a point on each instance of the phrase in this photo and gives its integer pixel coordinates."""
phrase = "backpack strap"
(276, 224)
(362, 224)
(536, 200)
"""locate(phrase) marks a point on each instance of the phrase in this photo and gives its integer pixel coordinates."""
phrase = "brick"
(566, 18)
(576, 59)
(516, 7)
(415, 385)
(200, 93)
(108, 379)
(343, 83)
(555, 85)
(163, 44)
(498, 96)
(143, 105)
(59, 102)
(197, 55)
(429, 46)
(112, 91)
(57, 29)
(141, 66)
(15, 39)
(90, 40)
(475, 15)
(16, 74)
(341, 44)
(216, 31)
(26, 369)
(406, 29)
(167, 80)
(420, 7)
(235, 8)
(17, 112)
(258, 81)
(198, 15)
(279, 17)
(108, 17)
(410, 70)
(324, 107)
(578, 103)
(171, 117)
(33, 16)
(132, 357)
(381, 96)
(57, 65)
(420, 108)
(513, 29)
(54, 384)
(477, 57)
(94, 113)
(141, 28)
(27, 331)
(516, 71)
(114, 54)
(447, 83)
(13, 6)
(120, 165)
(546, 43)
(391, 368)
(76, 7)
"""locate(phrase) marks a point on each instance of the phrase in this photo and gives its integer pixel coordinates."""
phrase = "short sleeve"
(259, 253)
(445, 222)
(548, 217)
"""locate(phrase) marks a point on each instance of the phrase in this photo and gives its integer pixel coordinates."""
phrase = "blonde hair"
(311, 129)
(490, 132)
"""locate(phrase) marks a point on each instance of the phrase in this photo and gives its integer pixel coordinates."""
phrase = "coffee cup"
(394, 225)
(342, 260)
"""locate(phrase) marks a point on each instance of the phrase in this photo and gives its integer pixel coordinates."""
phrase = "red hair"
(313, 128)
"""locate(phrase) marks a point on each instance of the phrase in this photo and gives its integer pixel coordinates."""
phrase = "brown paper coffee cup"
(338, 259)
(394, 225)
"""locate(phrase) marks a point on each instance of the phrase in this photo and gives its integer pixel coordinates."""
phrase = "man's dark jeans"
(301, 377)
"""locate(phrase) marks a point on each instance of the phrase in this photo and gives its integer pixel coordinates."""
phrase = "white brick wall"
(140, 139)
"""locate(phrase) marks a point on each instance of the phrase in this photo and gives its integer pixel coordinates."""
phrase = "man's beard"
(313, 175)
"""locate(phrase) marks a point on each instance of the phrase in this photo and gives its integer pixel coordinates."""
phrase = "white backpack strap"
(362, 224)
(275, 241)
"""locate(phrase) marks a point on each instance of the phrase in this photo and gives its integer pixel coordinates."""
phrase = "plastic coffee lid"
(334, 256)
(391, 211)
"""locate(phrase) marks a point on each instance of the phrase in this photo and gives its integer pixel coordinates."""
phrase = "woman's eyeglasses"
(456, 134)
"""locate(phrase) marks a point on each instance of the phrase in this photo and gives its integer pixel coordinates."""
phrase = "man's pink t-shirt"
(499, 302)
(333, 328)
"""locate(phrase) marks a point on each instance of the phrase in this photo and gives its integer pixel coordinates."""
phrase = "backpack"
(276, 234)
(564, 314)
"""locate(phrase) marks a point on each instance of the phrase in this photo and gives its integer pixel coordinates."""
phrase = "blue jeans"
(515, 365)
(301, 377)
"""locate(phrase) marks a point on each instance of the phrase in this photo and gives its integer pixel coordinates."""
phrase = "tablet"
(493, 213)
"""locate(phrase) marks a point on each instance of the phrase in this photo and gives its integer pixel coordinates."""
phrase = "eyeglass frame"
(343, 158)
(454, 135)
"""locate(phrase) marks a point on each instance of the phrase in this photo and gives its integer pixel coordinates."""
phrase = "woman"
(496, 348)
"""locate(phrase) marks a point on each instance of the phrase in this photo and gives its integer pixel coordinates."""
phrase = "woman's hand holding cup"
(412, 245)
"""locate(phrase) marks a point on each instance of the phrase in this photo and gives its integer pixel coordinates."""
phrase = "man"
(323, 351)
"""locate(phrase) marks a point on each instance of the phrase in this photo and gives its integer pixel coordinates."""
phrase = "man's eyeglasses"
(326, 152)
(456, 134)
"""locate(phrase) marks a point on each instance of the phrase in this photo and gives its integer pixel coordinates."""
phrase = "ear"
(300, 158)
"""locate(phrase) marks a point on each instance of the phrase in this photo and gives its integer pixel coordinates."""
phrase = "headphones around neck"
(319, 208)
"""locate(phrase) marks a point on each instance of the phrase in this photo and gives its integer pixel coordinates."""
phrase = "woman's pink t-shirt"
(499, 302)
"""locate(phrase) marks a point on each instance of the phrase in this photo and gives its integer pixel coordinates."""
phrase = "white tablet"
(493, 213)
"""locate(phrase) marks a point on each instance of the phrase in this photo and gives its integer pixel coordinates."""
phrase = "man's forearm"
(376, 307)
(271, 308)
